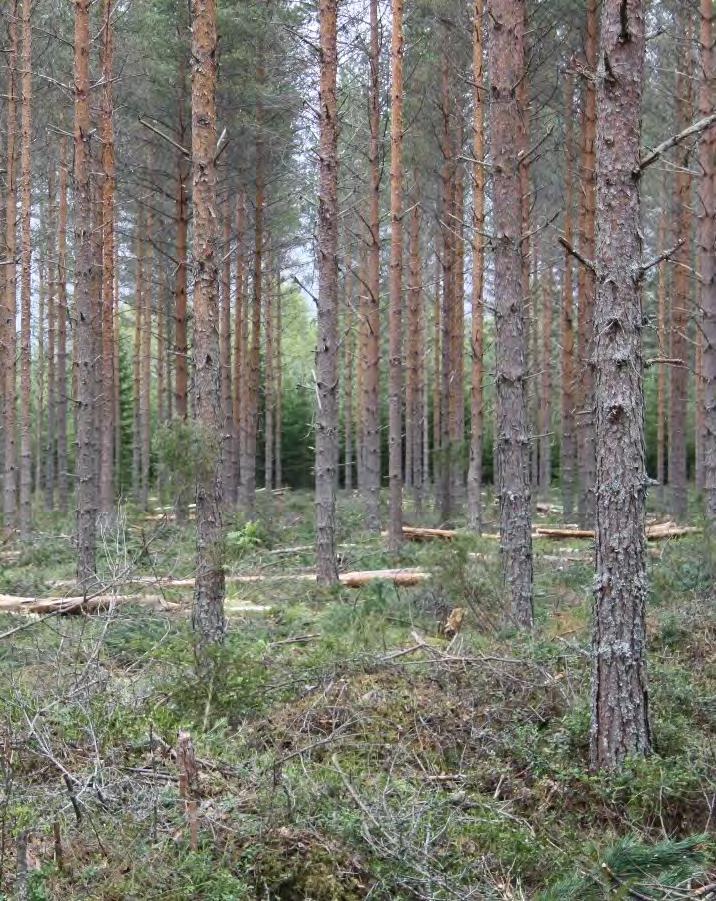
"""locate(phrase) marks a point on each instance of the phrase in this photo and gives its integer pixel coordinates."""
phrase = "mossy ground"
(333, 766)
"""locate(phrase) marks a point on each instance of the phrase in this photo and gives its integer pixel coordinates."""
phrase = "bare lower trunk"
(474, 479)
(62, 465)
(26, 275)
(568, 450)
(327, 336)
(585, 384)
(545, 449)
(226, 388)
(10, 299)
(85, 309)
(395, 336)
(348, 345)
(620, 725)
(106, 477)
(278, 396)
(681, 314)
(413, 396)
(208, 613)
(268, 386)
(662, 353)
(240, 314)
(706, 239)
(370, 439)
(145, 364)
(50, 458)
(512, 438)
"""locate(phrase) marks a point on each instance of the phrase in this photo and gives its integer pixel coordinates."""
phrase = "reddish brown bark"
(348, 387)
(327, 316)
(620, 726)
(50, 459)
(414, 387)
(269, 375)
(240, 334)
(208, 613)
(545, 409)
(511, 426)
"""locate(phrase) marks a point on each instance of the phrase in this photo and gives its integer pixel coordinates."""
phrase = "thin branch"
(664, 255)
(673, 141)
(166, 137)
(576, 254)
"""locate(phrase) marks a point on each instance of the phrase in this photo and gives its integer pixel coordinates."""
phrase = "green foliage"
(242, 541)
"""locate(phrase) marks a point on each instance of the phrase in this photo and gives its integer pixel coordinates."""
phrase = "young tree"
(506, 64)
(327, 343)
(620, 725)
(395, 337)
(208, 614)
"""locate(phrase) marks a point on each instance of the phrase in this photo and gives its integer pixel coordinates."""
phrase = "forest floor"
(347, 747)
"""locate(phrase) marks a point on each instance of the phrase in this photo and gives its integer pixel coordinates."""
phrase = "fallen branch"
(673, 141)
(13, 604)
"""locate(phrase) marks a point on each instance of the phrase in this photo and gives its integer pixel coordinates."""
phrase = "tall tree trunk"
(139, 291)
(240, 315)
(268, 383)
(681, 308)
(707, 266)
(208, 613)
(145, 363)
(106, 477)
(278, 397)
(619, 693)
(447, 347)
(42, 330)
(395, 334)
(248, 460)
(457, 333)
(512, 438)
(568, 449)
(545, 450)
(348, 345)
(474, 479)
(25, 275)
(62, 316)
(585, 384)
(414, 391)
(437, 377)
(370, 439)
(699, 406)
(327, 349)
(225, 338)
(85, 309)
(662, 353)
(10, 300)
(49, 454)
(181, 341)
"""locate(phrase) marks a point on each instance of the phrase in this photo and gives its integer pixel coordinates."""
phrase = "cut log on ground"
(12, 604)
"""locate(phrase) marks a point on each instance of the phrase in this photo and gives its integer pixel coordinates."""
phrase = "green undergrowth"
(347, 748)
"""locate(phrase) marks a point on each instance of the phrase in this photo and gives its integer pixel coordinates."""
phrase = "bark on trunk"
(208, 613)
(327, 337)
(50, 459)
(348, 346)
(25, 275)
(474, 479)
(145, 363)
(681, 311)
(370, 440)
(226, 392)
(139, 290)
(278, 393)
(268, 384)
(106, 476)
(85, 309)
(585, 384)
(414, 392)
(10, 301)
(707, 266)
(395, 333)
(662, 346)
(62, 314)
(568, 450)
(512, 437)
(239, 337)
(620, 725)
(545, 447)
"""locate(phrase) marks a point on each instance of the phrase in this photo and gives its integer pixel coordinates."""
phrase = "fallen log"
(657, 532)
(415, 533)
(13, 604)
